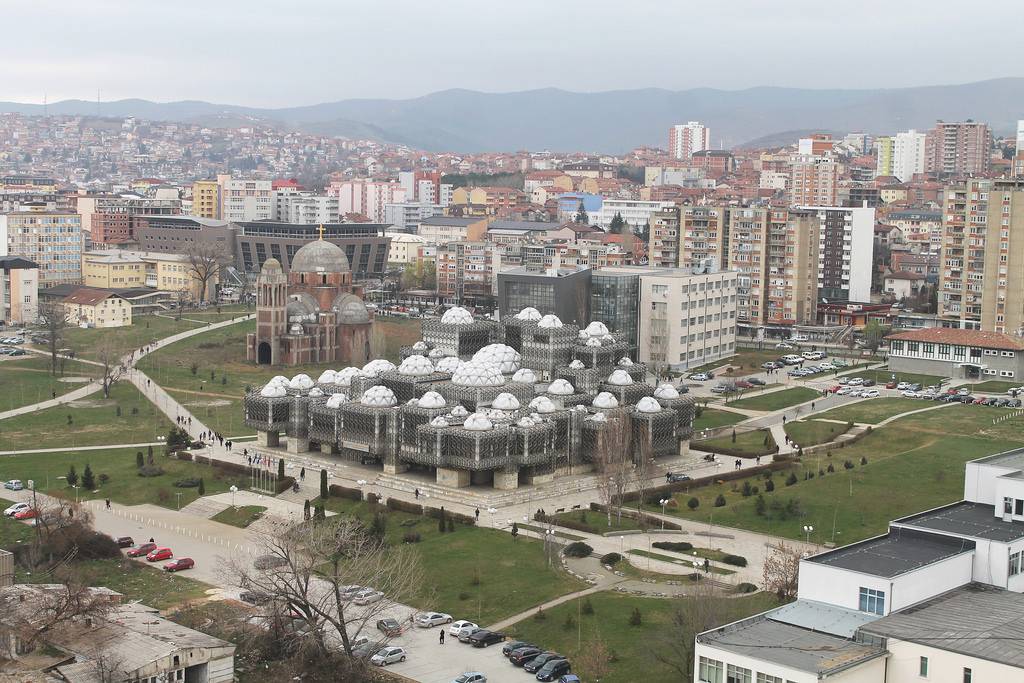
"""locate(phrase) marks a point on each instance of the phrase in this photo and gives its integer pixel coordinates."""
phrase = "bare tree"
(29, 614)
(108, 665)
(781, 570)
(181, 297)
(318, 561)
(593, 659)
(110, 353)
(205, 262)
(613, 462)
(53, 318)
(643, 468)
(699, 610)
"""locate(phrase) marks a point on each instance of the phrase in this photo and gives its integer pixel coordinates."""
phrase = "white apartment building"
(845, 251)
(403, 248)
(1020, 136)
(299, 207)
(939, 597)
(438, 230)
(636, 212)
(52, 239)
(367, 197)
(245, 200)
(686, 320)
(686, 138)
(407, 215)
(908, 154)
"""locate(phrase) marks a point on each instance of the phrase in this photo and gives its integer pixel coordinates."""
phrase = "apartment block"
(663, 245)
(19, 290)
(703, 237)
(206, 199)
(245, 200)
(814, 181)
(466, 272)
(958, 149)
(53, 240)
(407, 215)
(908, 154)
(844, 256)
(114, 220)
(439, 230)
(964, 237)
(635, 212)
(686, 138)
(366, 197)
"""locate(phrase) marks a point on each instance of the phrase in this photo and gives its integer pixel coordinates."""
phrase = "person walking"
(478, 514)
(302, 474)
(416, 493)
(441, 640)
(108, 503)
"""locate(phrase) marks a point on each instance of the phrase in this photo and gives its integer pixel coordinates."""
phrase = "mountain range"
(608, 122)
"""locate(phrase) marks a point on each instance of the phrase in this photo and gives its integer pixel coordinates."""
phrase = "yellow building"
(117, 269)
(884, 149)
(97, 308)
(206, 199)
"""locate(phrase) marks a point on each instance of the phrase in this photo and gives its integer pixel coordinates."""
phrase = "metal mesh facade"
(367, 429)
(629, 393)
(685, 407)
(638, 371)
(603, 358)
(475, 397)
(514, 331)
(406, 351)
(331, 388)
(267, 414)
(298, 419)
(459, 340)
(655, 433)
(534, 445)
(585, 381)
(407, 387)
(410, 419)
(325, 424)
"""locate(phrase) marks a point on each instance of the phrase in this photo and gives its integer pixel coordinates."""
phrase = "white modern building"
(367, 197)
(245, 200)
(686, 138)
(636, 212)
(407, 215)
(908, 154)
(845, 251)
(938, 597)
(403, 248)
(305, 208)
(1020, 136)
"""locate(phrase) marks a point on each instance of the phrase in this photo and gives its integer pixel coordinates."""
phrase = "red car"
(891, 385)
(142, 550)
(27, 513)
(744, 384)
(159, 554)
(179, 564)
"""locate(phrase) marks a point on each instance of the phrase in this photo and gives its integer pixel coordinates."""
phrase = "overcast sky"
(274, 53)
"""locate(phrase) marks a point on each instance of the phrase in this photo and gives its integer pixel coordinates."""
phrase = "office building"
(686, 138)
(123, 269)
(958, 149)
(404, 248)
(407, 215)
(19, 290)
(564, 292)
(982, 270)
(908, 155)
(884, 156)
(814, 181)
(614, 300)
(51, 239)
(206, 199)
(245, 200)
(113, 220)
(636, 213)
(956, 353)
(303, 207)
(87, 307)
(438, 230)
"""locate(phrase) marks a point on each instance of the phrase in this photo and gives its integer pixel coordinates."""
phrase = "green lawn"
(632, 646)
(777, 400)
(875, 410)
(598, 521)
(94, 422)
(711, 418)
(683, 563)
(813, 432)
(125, 485)
(993, 386)
(12, 532)
(884, 376)
(924, 453)
(748, 444)
(241, 516)
(27, 379)
(145, 329)
(474, 573)
(147, 584)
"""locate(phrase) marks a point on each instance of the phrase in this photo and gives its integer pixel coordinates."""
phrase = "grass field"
(125, 485)
(874, 410)
(12, 532)
(813, 432)
(145, 329)
(711, 418)
(777, 400)
(681, 562)
(599, 521)
(474, 573)
(925, 453)
(993, 386)
(608, 627)
(27, 379)
(94, 422)
(884, 376)
(241, 516)
(149, 585)
(748, 444)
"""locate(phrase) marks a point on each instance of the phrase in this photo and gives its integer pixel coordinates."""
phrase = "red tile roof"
(946, 335)
(87, 297)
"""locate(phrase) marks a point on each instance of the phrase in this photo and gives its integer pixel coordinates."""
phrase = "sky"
(276, 54)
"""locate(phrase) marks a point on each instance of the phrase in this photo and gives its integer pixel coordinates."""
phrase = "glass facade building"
(566, 293)
(614, 300)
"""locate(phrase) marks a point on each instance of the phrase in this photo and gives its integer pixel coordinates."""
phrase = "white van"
(792, 359)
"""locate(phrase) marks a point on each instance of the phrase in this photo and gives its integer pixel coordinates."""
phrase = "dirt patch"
(75, 380)
(90, 403)
(213, 403)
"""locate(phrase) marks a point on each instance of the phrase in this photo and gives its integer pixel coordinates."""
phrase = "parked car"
(756, 382)
(367, 597)
(1014, 403)
(124, 542)
(522, 655)
(269, 562)
(389, 627)
(535, 664)
(179, 564)
(430, 619)
(701, 376)
(674, 477)
(770, 365)
(902, 386)
(868, 383)
(723, 389)
(14, 485)
(553, 669)
(349, 592)
(870, 393)
(17, 352)
(142, 550)
(468, 632)
(16, 508)
(27, 513)
(570, 678)
(485, 638)
(744, 384)
(458, 625)
(855, 381)
(963, 392)
(388, 655)
(792, 359)
(785, 345)
(470, 677)
(513, 645)
(798, 338)
(158, 554)
(254, 597)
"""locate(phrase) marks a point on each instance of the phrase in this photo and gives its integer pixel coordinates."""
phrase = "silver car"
(388, 655)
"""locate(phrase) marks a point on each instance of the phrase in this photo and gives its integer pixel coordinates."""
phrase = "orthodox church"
(312, 315)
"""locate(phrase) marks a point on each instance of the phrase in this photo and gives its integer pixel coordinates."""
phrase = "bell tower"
(271, 313)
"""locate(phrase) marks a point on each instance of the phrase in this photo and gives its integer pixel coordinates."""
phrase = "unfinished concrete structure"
(463, 405)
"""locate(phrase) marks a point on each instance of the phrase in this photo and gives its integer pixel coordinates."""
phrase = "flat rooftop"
(974, 620)
(898, 552)
(968, 520)
(790, 646)
(1010, 459)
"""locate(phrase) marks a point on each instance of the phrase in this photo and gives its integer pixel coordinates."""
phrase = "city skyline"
(85, 50)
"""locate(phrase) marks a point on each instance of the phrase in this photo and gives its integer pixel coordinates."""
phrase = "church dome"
(320, 256)
(351, 310)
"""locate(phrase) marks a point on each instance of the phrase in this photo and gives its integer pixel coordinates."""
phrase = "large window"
(737, 674)
(710, 670)
(968, 675)
(768, 678)
(872, 601)
(1014, 565)
(922, 667)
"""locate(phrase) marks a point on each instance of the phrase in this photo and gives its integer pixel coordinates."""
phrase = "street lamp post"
(664, 502)
(807, 530)
(234, 490)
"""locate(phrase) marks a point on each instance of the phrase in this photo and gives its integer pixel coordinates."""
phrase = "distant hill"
(612, 122)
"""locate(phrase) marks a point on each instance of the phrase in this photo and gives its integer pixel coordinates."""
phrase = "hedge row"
(339, 491)
(643, 518)
(458, 517)
(736, 452)
(658, 492)
(404, 506)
